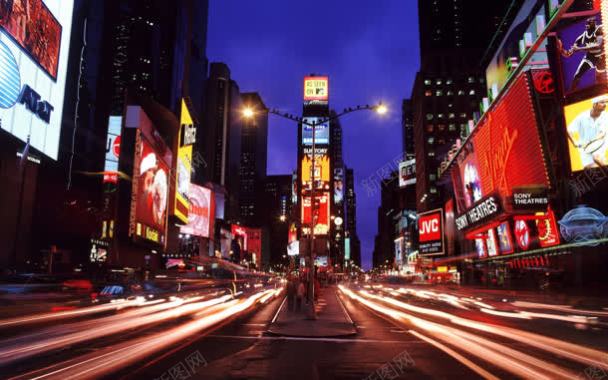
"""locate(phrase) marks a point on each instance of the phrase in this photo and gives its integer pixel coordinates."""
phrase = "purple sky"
(369, 50)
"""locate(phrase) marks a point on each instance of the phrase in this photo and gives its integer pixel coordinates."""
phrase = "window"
(450, 93)
(431, 140)
(428, 93)
(452, 115)
(441, 127)
(431, 154)
(429, 116)
(460, 92)
(427, 82)
(449, 81)
(471, 80)
(463, 115)
(452, 127)
(432, 177)
(438, 82)
(440, 116)
(429, 128)
(439, 93)
(433, 190)
(472, 92)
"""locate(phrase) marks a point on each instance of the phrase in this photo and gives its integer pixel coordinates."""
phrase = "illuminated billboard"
(505, 153)
(180, 189)
(587, 128)
(316, 88)
(582, 53)
(407, 173)
(322, 171)
(110, 170)
(34, 50)
(323, 218)
(201, 214)
(321, 131)
(249, 241)
(150, 189)
(430, 233)
(338, 185)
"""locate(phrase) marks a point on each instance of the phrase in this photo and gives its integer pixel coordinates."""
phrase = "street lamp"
(249, 112)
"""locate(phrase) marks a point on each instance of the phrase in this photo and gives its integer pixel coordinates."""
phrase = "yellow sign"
(321, 169)
(183, 169)
(316, 88)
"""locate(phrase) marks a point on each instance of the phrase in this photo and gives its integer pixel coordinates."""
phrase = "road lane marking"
(279, 310)
(306, 339)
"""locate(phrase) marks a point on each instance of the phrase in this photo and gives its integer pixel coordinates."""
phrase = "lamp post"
(249, 113)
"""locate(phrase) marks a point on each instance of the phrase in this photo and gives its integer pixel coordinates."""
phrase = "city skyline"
(376, 58)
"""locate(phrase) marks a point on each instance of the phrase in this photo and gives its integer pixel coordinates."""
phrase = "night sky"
(370, 51)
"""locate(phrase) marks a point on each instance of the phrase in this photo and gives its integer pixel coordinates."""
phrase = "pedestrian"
(291, 293)
(301, 295)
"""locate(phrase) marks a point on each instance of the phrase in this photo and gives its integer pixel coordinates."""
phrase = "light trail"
(111, 359)
(497, 354)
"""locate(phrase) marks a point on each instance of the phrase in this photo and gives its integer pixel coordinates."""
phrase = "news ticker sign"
(483, 210)
(430, 233)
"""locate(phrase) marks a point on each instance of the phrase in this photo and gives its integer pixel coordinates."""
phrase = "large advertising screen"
(201, 213)
(505, 153)
(321, 131)
(583, 58)
(323, 218)
(316, 88)
(183, 166)
(34, 48)
(322, 171)
(587, 128)
(430, 233)
(249, 241)
(110, 170)
(150, 190)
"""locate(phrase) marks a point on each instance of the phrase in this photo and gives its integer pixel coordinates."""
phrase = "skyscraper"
(450, 84)
(254, 157)
(351, 218)
(219, 137)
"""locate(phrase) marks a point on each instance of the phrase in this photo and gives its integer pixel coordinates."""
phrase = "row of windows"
(449, 81)
(451, 115)
(448, 92)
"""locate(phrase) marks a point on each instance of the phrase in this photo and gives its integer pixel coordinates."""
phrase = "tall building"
(450, 84)
(353, 244)
(254, 157)
(149, 48)
(219, 137)
(277, 209)
(407, 129)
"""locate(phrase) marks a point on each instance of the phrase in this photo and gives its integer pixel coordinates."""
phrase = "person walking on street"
(301, 295)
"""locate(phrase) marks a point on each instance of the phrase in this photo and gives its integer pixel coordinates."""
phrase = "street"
(401, 332)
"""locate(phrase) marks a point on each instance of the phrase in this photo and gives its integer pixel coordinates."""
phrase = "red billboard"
(150, 189)
(201, 212)
(32, 25)
(250, 241)
(322, 222)
(506, 151)
(430, 232)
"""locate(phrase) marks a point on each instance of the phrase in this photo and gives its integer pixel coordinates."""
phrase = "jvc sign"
(430, 231)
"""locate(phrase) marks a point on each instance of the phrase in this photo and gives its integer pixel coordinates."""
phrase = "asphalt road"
(403, 332)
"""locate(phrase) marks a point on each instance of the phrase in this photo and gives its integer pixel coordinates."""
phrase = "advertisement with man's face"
(34, 50)
(151, 188)
(587, 124)
(582, 54)
(201, 213)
